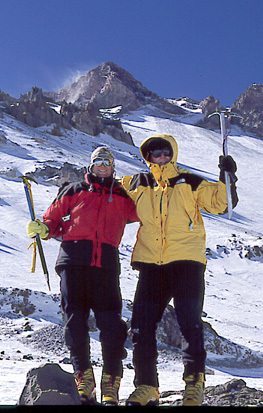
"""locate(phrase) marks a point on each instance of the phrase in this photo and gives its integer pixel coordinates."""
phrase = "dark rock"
(5, 98)
(19, 301)
(232, 393)
(49, 385)
(33, 110)
(168, 331)
(210, 105)
(58, 175)
(249, 105)
(114, 129)
(48, 339)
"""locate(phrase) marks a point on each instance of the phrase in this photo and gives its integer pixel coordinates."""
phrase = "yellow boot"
(194, 388)
(110, 390)
(86, 386)
(144, 395)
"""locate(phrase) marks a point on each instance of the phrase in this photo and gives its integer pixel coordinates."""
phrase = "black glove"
(227, 164)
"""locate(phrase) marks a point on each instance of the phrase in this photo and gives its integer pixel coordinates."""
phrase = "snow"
(233, 300)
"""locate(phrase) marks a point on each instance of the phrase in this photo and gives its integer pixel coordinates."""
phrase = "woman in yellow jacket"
(170, 256)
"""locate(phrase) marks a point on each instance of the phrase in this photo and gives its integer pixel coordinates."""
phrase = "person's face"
(160, 156)
(102, 168)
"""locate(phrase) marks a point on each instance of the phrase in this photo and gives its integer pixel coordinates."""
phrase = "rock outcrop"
(35, 109)
(49, 385)
(230, 354)
(249, 105)
(210, 105)
(233, 393)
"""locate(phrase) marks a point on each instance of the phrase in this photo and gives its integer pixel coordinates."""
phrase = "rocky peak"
(33, 110)
(35, 94)
(250, 106)
(107, 86)
(252, 99)
(5, 98)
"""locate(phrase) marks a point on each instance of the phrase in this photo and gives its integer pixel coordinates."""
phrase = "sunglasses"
(158, 152)
(101, 161)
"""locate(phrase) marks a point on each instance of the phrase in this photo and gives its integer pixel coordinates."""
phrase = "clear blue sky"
(174, 47)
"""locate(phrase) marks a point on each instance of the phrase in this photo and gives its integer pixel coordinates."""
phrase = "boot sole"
(109, 404)
(88, 402)
(151, 403)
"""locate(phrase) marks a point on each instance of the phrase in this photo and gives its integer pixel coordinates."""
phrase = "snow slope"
(233, 301)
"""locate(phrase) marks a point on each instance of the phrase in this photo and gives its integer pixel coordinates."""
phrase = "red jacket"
(90, 216)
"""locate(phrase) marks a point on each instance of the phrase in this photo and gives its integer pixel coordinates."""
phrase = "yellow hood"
(169, 170)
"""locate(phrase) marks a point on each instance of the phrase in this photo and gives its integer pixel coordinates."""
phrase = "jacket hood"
(168, 170)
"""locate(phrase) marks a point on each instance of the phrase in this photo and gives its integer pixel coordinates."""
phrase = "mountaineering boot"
(110, 389)
(86, 386)
(144, 395)
(194, 387)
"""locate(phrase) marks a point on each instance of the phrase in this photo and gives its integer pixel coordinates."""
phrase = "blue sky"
(173, 47)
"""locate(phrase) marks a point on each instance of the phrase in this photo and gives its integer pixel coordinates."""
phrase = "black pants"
(184, 282)
(82, 289)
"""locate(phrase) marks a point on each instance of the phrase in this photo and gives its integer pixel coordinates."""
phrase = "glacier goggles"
(156, 153)
(102, 161)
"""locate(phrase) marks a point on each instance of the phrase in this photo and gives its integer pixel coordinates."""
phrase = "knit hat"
(104, 153)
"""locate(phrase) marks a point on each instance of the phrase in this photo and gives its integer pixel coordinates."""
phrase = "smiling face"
(102, 168)
(102, 162)
(102, 171)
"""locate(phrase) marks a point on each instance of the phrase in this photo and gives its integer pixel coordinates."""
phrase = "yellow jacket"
(168, 204)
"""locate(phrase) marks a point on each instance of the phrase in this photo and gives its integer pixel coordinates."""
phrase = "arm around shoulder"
(126, 182)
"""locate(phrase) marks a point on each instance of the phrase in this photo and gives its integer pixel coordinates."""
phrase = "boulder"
(49, 385)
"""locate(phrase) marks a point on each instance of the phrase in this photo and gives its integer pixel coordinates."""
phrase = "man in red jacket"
(90, 216)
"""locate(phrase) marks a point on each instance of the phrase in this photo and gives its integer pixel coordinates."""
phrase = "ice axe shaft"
(222, 116)
(225, 153)
(27, 187)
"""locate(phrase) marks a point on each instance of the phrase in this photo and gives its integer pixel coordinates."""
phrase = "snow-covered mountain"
(233, 302)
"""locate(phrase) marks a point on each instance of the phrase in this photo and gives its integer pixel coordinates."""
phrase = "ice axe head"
(26, 178)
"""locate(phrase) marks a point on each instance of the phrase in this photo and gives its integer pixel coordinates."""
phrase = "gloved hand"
(37, 227)
(227, 164)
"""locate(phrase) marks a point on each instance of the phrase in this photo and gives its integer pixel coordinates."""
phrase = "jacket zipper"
(96, 246)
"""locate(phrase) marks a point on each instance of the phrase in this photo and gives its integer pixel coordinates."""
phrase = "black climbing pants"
(184, 282)
(91, 288)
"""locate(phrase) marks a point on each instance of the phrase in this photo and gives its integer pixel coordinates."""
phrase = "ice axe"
(27, 187)
(223, 116)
